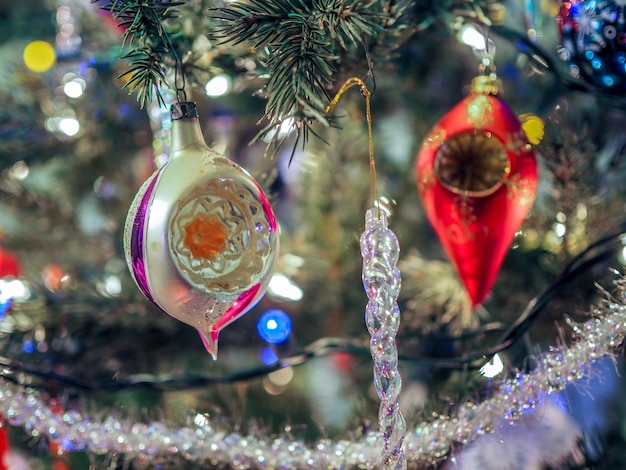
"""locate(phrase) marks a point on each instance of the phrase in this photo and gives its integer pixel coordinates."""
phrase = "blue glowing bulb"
(596, 64)
(274, 326)
(28, 346)
(608, 81)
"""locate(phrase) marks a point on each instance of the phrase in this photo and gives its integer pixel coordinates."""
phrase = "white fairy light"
(14, 289)
(492, 368)
(19, 171)
(201, 420)
(284, 288)
(73, 89)
(113, 285)
(285, 128)
(69, 126)
(560, 229)
(218, 86)
(471, 36)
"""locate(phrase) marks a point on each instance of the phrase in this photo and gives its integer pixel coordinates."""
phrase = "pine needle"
(148, 41)
(300, 41)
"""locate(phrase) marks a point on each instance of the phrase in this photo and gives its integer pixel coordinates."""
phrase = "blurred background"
(75, 147)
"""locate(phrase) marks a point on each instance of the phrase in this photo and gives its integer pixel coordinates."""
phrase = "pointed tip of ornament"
(478, 298)
(210, 342)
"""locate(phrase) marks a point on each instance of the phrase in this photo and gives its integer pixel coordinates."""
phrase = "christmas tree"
(401, 219)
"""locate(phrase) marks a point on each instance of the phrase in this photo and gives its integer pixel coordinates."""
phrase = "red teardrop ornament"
(477, 177)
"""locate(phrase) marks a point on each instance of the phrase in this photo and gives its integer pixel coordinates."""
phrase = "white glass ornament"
(201, 239)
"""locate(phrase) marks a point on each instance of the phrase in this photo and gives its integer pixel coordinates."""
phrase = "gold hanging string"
(349, 83)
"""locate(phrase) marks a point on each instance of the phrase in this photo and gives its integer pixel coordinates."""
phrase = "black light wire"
(598, 252)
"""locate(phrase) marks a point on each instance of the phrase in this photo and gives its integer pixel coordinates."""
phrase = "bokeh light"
(69, 126)
(218, 86)
(39, 56)
(73, 89)
(268, 356)
(471, 36)
(5, 303)
(493, 367)
(284, 288)
(274, 326)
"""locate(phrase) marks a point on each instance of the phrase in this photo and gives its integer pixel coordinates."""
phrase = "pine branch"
(145, 75)
(300, 41)
(144, 28)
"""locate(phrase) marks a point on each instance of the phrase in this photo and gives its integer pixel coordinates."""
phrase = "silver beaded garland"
(203, 442)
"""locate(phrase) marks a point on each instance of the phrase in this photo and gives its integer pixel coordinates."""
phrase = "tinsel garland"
(203, 442)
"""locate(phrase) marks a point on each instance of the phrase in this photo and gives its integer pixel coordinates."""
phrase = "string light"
(28, 346)
(14, 289)
(218, 86)
(73, 89)
(19, 171)
(470, 35)
(69, 126)
(274, 326)
(286, 127)
(428, 442)
(559, 229)
(39, 56)
(493, 367)
(282, 287)
(113, 285)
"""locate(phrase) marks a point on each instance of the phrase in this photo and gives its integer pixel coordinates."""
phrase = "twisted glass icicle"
(381, 279)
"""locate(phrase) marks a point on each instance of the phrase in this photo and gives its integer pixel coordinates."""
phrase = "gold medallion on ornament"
(219, 237)
(472, 163)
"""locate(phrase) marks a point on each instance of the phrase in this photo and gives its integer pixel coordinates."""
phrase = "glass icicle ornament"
(201, 239)
(381, 279)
